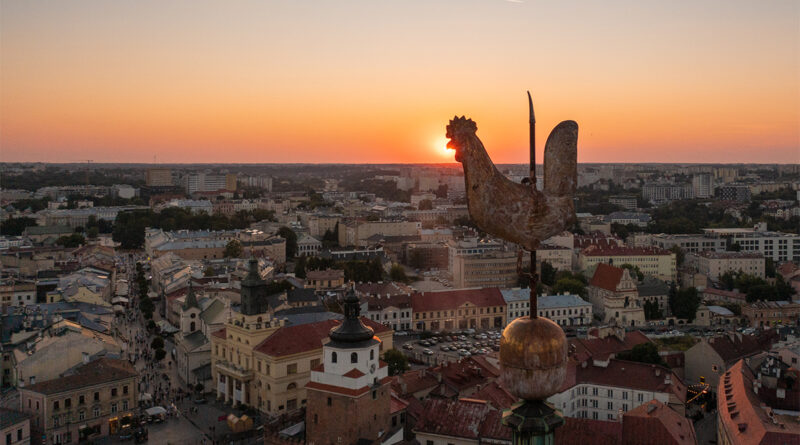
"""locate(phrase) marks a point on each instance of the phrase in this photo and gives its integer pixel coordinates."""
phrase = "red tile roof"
(463, 374)
(496, 395)
(733, 346)
(633, 375)
(607, 277)
(743, 418)
(100, 371)
(658, 423)
(220, 333)
(595, 239)
(411, 382)
(602, 348)
(290, 340)
(492, 427)
(397, 403)
(452, 299)
(460, 418)
(354, 374)
(577, 431)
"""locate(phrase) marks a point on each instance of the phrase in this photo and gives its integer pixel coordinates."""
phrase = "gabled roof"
(607, 277)
(461, 418)
(733, 346)
(634, 375)
(451, 299)
(603, 348)
(290, 340)
(658, 423)
(496, 395)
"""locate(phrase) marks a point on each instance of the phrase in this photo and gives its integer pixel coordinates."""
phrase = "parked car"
(427, 352)
(408, 346)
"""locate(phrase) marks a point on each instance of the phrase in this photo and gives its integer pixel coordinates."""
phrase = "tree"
(621, 230)
(291, 241)
(548, 273)
(685, 303)
(680, 255)
(643, 353)
(651, 310)
(92, 232)
(330, 239)
(769, 267)
(160, 354)
(570, 286)
(15, 226)
(233, 249)
(397, 361)
(300, 267)
(636, 274)
(397, 273)
(735, 247)
(157, 343)
(425, 204)
(70, 241)
(209, 272)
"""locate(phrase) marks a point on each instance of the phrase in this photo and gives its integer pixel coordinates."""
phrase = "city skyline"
(376, 83)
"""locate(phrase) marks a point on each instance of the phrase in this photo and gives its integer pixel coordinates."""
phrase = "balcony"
(238, 372)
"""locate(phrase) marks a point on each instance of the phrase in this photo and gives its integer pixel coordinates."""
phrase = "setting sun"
(441, 149)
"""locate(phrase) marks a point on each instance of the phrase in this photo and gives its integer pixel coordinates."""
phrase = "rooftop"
(595, 250)
(658, 423)
(290, 340)
(449, 299)
(100, 371)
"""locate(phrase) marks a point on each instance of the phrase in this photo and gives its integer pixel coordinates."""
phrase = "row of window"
(494, 310)
(64, 419)
(82, 399)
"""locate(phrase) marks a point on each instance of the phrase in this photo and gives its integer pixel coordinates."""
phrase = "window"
(96, 411)
(330, 401)
(314, 363)
(291, 386)
(125, 405)
(624, 396)
(81, 400)
(67, 403)
(333, 357)
(624, 407)
(372, 354)
(611, 393)
(96, 396)
(291, 369)
(114, 407)
(610, 405)
(641, 397)
(125, 389)
(55, 405)
(354, 357)
(113, 392)
(81, 415)
(374, 395)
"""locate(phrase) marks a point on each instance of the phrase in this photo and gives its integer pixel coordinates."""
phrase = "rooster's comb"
(461, 125)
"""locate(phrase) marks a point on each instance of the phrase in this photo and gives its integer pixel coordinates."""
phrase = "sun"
(440, 147)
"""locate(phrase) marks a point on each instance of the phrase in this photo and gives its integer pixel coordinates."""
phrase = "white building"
(566, 310)
(307, 245)
(606, 389)
(779, 246)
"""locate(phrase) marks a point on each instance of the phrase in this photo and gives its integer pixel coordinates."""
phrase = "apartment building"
(557, 256)
(497, 268)
(689, 243)
(653, 261)
(764, 314)
(480, 308)
(779, 246)
(96, 400)
(715, 264)
(206, 182)
(158, 177)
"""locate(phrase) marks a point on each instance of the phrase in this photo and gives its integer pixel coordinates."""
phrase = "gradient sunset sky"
(376, 81)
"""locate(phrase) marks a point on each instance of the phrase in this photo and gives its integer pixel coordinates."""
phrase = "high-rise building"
(204, 182)
(159, 177)
(734, 192)
(703, 185)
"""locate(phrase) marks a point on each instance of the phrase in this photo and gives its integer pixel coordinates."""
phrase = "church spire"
(352, 330)
(191, 299)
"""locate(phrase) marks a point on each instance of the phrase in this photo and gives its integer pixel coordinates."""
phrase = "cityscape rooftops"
(711, 254)
(102, 370)
(561, 301)
(595, 250)
(290, 340)
(658, 423)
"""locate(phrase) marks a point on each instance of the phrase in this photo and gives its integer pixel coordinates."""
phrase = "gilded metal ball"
(533, 357)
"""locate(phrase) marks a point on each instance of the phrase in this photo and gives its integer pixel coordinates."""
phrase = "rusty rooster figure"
(518, 212)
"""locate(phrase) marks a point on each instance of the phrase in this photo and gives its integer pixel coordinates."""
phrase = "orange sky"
(294, 81)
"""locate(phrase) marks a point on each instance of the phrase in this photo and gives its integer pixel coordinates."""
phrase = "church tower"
(190, 313)
(254, 291)
(348, 395)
